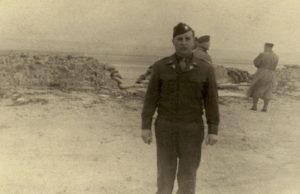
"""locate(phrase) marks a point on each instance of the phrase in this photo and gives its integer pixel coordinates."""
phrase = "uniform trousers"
(178, 146)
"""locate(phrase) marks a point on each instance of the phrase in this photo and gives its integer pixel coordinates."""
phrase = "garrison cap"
(269, 44)
(181, 28)
(203, 39)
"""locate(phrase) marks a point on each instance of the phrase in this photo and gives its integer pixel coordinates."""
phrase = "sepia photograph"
(149, 97)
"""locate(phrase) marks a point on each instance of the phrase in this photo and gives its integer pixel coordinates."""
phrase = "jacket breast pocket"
(168, 84)
(196, 86)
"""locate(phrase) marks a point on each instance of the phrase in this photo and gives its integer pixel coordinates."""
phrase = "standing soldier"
(181, 86)
(202, 46)
(264, 78)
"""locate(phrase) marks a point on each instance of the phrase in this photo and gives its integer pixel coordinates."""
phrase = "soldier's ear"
(195, 40)
(195, 45)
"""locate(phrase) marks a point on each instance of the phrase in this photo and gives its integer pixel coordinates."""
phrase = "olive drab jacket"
(182, 95)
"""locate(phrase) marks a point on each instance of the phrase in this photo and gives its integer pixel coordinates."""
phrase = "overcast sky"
(233, 24)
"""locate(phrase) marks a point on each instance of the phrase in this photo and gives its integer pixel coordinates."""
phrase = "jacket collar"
(202, 49)
(173, 60)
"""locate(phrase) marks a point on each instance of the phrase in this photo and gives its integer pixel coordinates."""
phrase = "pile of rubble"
(56, 71)
(288, 79)
(231, 75)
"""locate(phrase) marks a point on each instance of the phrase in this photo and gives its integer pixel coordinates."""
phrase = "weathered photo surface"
(143, 97)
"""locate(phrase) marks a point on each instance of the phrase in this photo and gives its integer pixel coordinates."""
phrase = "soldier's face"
(184, 43)
(205, 45)
(267, 48)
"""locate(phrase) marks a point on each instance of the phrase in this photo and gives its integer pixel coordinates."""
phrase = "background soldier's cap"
(181, 28)
(269, 44)
(203, 39)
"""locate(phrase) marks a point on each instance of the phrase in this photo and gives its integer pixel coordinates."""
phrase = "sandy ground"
(87, 143)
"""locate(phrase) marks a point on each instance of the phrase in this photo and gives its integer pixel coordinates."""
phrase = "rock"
(88, 103)
(15, 96)
(109, 67)
(222, 75)
(104, 96)
(22, 100)
(116, 75)
(118, 80)
(238, 75)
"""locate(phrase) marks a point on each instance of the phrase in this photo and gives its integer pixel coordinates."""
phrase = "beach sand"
(82, 142)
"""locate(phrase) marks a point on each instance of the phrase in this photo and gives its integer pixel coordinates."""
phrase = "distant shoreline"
(147, 59)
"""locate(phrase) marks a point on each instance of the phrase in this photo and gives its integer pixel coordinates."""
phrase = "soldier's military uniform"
(264, 78)
(180, 96)
(201, 52)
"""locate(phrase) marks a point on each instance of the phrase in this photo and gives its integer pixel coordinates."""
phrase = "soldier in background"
(202, 46)
(181, 88)
(264, 78)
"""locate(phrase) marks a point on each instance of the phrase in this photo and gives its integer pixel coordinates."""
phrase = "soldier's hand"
(146, 136)
(211, 139)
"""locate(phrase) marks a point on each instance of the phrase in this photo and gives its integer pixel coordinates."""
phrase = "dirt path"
(86, 143)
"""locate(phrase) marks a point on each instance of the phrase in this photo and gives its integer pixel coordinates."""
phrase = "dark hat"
(181, 28)
(204, 38)
(269, 44)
